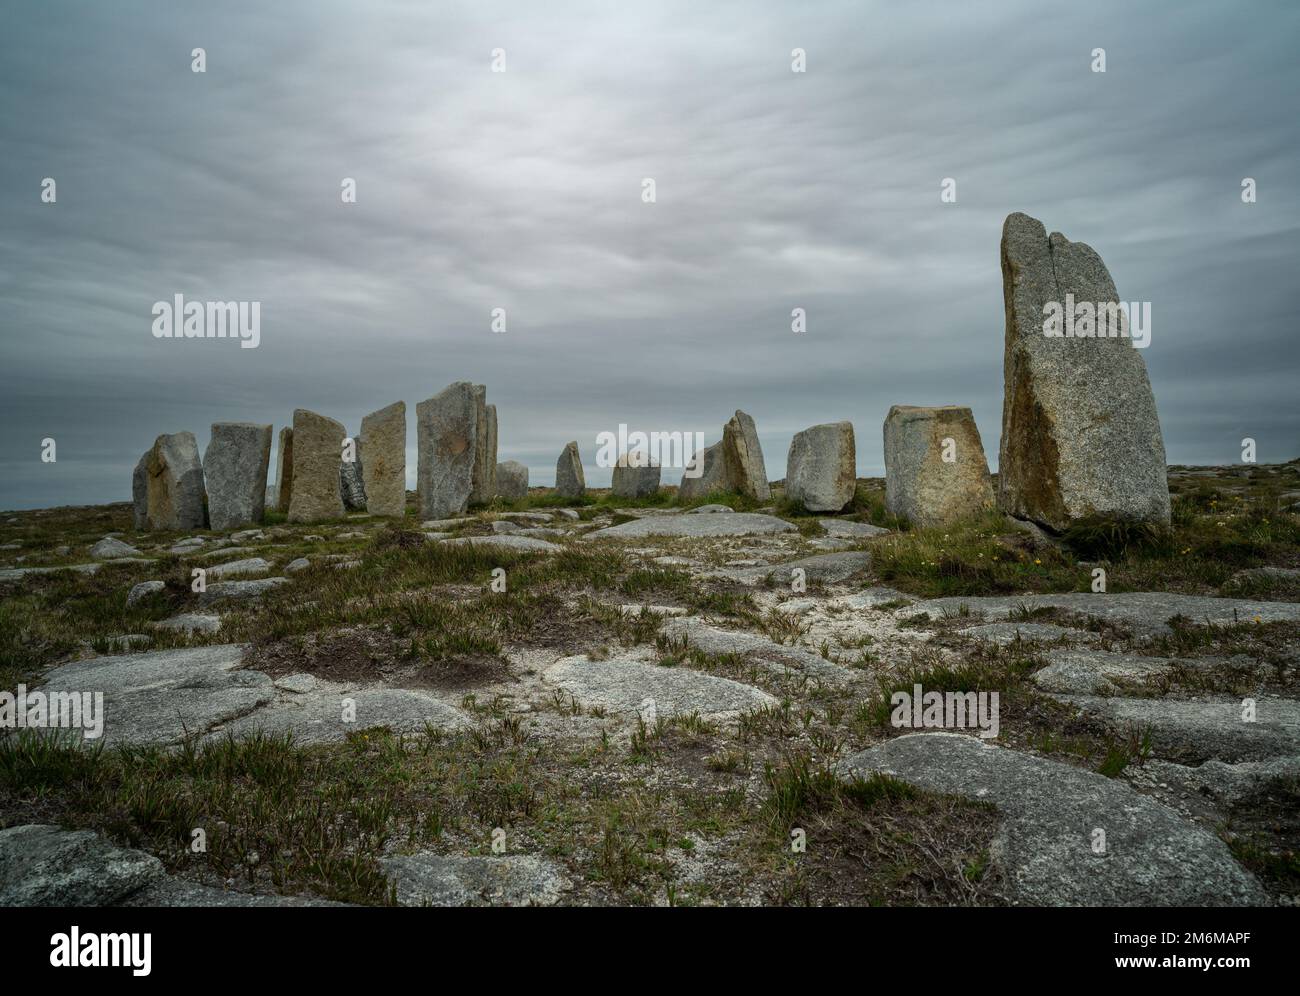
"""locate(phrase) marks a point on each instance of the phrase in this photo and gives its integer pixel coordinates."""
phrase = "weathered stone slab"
(174, 492)
(234, 466)
(711, 464)
(743, 458)
(284, 470)
(736, 524)
(1005, 633)
(825, 568)
(1049, 814)
(821, 468)
(1080, 434)
(635, 476)
(446, 441)
(317, 451)
(569, 479)
(847, 529)
(935, 469)
(383, 463)
(626, 685)
(504, 880)
(767, 654)
(318, 716)
(240, 591)
(42, 865)
(507, 541)
(238, 568)
(512, 479)
(191, 622)
(110, 548)
(1098, 672)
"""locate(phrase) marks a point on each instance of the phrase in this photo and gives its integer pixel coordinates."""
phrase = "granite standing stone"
(175, 497)
(935, 469)
(446, 440)
(713, 476)
(140, 493)
(491, 452)
(635, 476)
(284, 470)
(744, 458)
(383, 467)
(569, 480)
(234, 466)
(1080, 434)
(351, 485)
(317, 448)
(512, 479)
(821, 468)
(481, 482)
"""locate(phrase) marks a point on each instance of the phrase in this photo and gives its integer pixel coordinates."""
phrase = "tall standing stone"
(512, 479)
(635, 476)
(821, 467)
(234, 467)
(712, 465)
(383, 464)
(485, 462)
(140, 493)
(744, 458)
(317, 449)
(446, 448)
(1080, 433)
(492, 452)
(935, 469)
(175, 497)
(569, 479)
(284, 470)
(351, 486)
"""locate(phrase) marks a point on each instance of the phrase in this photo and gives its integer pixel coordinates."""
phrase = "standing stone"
(635, 476)
(821, 468)
(383, 467)
(317, 447)
(140, 493)
(1080, 434)
(284, 470)
(234, 466)
(446, 445)
(512, 479)
(569, 480)
(175, 497)
(351, 486)
(935, 469)
(713, 476)
(481, 488)
(492, 451)
(744, 458)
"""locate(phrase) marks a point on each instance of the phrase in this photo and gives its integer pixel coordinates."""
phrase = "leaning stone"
(627, 685)
(821, 468)
(234, 466)
(284, 470)
(1080, 433)
(935, 469)
(569, 480)
(506, 880)
(711, 466)
(512, 480)
(143, 590)
(42, 865)
(109, 548)
(1049, 810)
(736, 524)
(174, 492)
(743, 458)
(635, 476)
(317, 450)
(383, 465)
(446, 441)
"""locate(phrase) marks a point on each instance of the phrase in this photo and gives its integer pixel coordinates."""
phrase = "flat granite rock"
(240, 591)
(623, 685)
(848, 529)
(1199, 730)
(776, 657)
(511, 541)
(1049, 814)
(506, 880)
(156, 697)
(736, 524)
(827, 568)
(1144, 612)
(1097, 672)
(317, 716)
(1004, 633)
(42, 865)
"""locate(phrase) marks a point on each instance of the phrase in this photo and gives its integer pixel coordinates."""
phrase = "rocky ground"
(652, 703)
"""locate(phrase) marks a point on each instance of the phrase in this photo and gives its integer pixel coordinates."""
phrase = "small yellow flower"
(1037, 561)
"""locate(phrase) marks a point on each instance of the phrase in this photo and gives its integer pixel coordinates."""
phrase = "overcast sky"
(523, 190)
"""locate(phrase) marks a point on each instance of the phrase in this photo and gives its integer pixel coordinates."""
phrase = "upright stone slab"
(492, 452)
(234, 466)
(383, 463)
(175, 497)
(569, 479)
(317, 447)
(481, 484)
(284, 470)
(635, 476)
(351, 486)
(712, 465)
(744, 458)
(512, 479)
(1080, 434)
(140, 493)
(446, 442)
(935, 469)
(821, 467)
